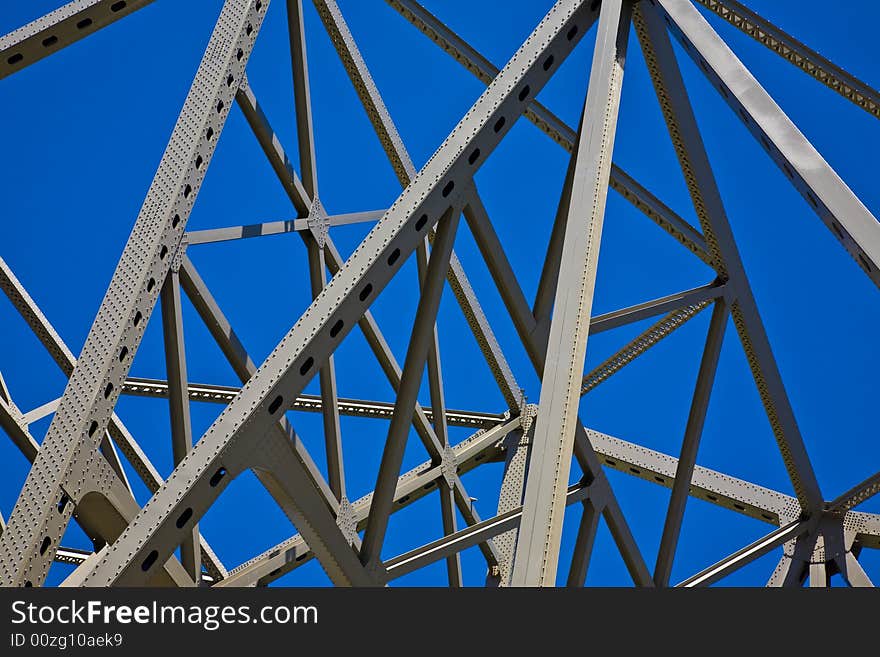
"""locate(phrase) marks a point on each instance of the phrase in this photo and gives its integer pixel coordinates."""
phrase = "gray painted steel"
(77, 470)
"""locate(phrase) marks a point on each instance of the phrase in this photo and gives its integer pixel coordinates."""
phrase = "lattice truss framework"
(76, 471)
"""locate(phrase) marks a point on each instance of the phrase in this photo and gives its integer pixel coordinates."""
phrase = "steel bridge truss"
(77, 471)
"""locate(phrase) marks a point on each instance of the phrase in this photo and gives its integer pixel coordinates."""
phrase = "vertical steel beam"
(302, 97)
(794, 566)
(694, 161)
(583, 451)
(450, 526)
(178, 403)
(241, 436)
(298, 196)
(314, 239)
(525, 324)
(692, 434)
(537, 550)
(413, 367)
(819, 576)
(327, 379)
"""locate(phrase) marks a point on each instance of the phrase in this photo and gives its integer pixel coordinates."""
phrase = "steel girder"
(545, 494)
(77, 458)
(805, 58)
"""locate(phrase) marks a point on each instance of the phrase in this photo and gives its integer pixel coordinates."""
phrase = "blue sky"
(84, 131)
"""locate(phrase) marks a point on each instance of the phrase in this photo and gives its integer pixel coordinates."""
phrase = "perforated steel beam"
(805, 58)
(58, 29)
(536, 347)
(314, 238)
(517, 446)
(583, 545)
(639, 345)
(300, 200)
(859, 493)
(404, 168)
(178, 403)
(552, 126)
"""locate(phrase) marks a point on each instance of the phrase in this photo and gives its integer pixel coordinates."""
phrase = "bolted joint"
(449, 466)
(318, 222)
(831, 542)
(346, 521)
